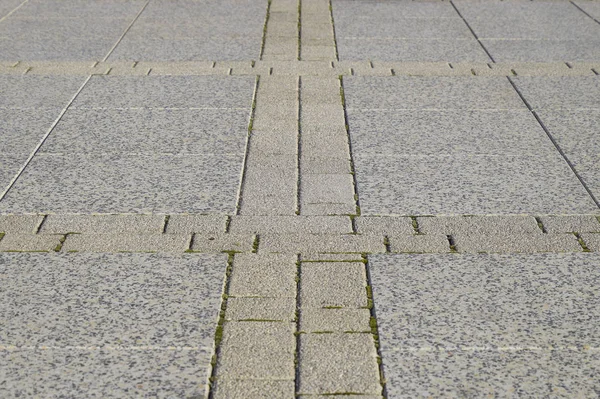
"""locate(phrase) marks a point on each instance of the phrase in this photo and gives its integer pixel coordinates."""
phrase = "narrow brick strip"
(317, 37)
(281, 33)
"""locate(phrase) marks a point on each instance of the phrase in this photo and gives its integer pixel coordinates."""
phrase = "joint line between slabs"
(561, 152)
(14, 10)
(298, 305)
(299, 150)
(472, 31)
(337, 55)
(125, 32)
(43, 140)
(351, 156)
(265, 29)
(585, 12)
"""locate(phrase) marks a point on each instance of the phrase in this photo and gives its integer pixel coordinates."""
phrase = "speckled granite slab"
(108, 325)
(488, 325)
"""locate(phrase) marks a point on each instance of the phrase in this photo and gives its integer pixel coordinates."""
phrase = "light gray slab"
(463, 132)
(542, 50)
(167, 131)
(350, 9)
(402, 28)
(521, 311)
(224, 10)
(592, 8)
(417, 92)
(99, 316)
(7, 6)
(44, 28)
(38, 91)
(416, 50)
(78, 9)
(55, 49)
(126, 184)
(211, 48)
(458, 185)
(235, 26)
(517, 10)
(167, 92)
(22, 129)
(481, 373)
(11, 164)
(560, 92)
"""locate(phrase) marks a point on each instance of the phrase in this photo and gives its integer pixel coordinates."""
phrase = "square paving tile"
(55, 49)
(560, 92)
(11, 164)
(453, 132)
(541, 50)
(477, 325)
(166, 131)
(416, 92)
(167, 92)
(592, 8)
(411, 50)
(38, 91)
(469, 184)
(22, 129)
(25, 29)
(97, 325)
(125, 183)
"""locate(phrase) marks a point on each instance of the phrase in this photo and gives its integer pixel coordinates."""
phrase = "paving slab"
(486, 322)
(471, 185)
(115, 183)
(153, 325)
(539, 50)
(38, 91)
(582, 92)
(23, 129)
(334, 284)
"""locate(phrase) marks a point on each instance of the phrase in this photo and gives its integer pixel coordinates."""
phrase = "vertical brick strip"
(281, 35)
(317, 37)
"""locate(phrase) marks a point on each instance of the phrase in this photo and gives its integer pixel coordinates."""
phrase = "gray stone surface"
(112, 224)
(290, 224)
(376, 11)
(385, 226)
(111, 324)
(114, 183)
(475, 225)
(538, 50)
(460, 132)
(327, 189)
(326, 243)
(264, 275)
(27, 224)
(338, 363)
(11, 164)
(459, 185)
(560, 92)
(126, 242)
(167, 92)
(592, 241)
(266, 309)
(243, 389)
(38, 91)
(329, 209)
(22, 129)
(570, 224)
(56, 9)
(19, 242)
(333, 284)
(402, 28)
(415, 50)
(417, 92)
(222, 242)
(257, 350)
(419, 243)
(335, 320)
(589, 7)
(170, 131)
(196, 224)
(507, 243)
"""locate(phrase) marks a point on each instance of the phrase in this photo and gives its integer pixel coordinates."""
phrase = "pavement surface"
(299, 198)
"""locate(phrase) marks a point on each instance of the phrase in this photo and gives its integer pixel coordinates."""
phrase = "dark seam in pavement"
(554, 142)
(39, 228)
(581, 242)
(238, 206)
(299, 54)
(264, 35)
(375, 327)
(541, 225)
(167, 217)
(337, 55)
(299, 148)
(351, 156)
(297, 351)
(43, 140)
(125, 32)
(585, 12)
(472, 31)
(220, 323)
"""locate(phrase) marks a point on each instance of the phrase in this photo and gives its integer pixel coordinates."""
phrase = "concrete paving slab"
(59, 49)
(540, 50)
(401, 28)
(474, 225)
(265, 309)
(430, 243)
(24, 224)
(166, 92)
(326, 243)
(464, 132)
(19, 242)
(385, 226)
(22, 129)
(135, 224)
(119, 242)
(195, 224)
(330, 284)
(290, 224)
(589, 7)
(417, 93)
(335, 320)
(570, 224)
(126, 184)
(471, 185)
(26, 29)
(167, 131)
(38, 91)
(592, 241)
(11, 164)
(152, 330)
(516, 243)
(338, 363)
(346, 9)
(56, 9)
(263, 275)
(582, 92)
(414, 50)
(8, 6)
(242, 389)
(203, 242)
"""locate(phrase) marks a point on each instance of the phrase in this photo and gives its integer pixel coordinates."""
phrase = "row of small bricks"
(333, 235)
(320, 68)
